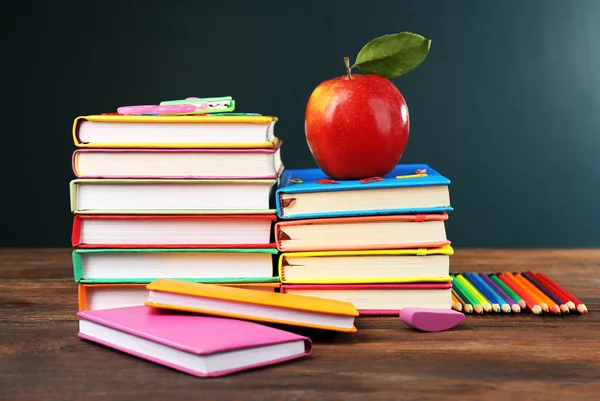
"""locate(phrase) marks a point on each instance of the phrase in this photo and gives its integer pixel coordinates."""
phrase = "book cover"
(249, 300)
(277, 165)
(359, 293)
(286, 259)
(201, 119)
(78, 241)
(340, 226)
(140, 331)
(81, 278)
(297, 182)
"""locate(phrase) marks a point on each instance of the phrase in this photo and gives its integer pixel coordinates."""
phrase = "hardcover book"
(108, 296)
(362, 233)
(246, 304)
(408, 189)
(373, 266)
(172, 231)
(379, 299)
(191, 196)
(178, 163)
(198, 345)
(216, 265)
(200, 132)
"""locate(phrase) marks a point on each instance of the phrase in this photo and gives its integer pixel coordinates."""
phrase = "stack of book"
(177, 197)
(379, 243)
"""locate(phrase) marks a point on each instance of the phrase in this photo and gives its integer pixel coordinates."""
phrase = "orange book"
(255, 305)
(120, 295)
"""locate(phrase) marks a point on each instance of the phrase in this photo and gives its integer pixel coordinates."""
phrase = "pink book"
(178, 163)
(380, 299)
(198, 345)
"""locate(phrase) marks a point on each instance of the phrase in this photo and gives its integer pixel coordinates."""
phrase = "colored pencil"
(563, 299)
(507, 299)
(533, 293)
(456, 305)
(532, 279)
(581, 308)
(486, 291)
(466, 306)
(531, 304)
(508, 291)
(552, 306)
(480, 298)
(458, 287)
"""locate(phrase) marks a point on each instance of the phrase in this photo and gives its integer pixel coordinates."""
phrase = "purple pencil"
(507, 298)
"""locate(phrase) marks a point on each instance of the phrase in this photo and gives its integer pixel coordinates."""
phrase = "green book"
(144, 265)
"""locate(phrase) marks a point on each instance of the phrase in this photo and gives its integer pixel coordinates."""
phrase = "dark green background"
(507, 105)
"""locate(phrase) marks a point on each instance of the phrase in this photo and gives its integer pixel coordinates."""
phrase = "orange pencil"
(535, 308)
(581, 308)
(533, 279)
(456, 305)
(531, 294)
(554, 308)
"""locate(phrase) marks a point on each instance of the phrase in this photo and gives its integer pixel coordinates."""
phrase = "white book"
(116, 131)
(108, 296)
(113, 230)
(368, 266)
(178, 163)
(362, 233)
(380, 299)
(147, 196)
(198, 264)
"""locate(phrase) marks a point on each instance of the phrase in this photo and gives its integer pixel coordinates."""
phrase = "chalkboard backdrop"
(506, 104)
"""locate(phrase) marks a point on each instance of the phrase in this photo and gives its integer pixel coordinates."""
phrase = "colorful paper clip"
(208, 105)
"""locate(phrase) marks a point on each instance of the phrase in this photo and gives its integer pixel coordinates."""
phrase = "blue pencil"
(514, 307)
(489, 293)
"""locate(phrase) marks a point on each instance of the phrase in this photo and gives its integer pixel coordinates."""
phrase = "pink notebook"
(198, 345)
(379, 299)
(178, 163)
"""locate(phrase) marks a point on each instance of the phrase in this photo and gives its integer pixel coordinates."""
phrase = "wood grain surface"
(491, 357)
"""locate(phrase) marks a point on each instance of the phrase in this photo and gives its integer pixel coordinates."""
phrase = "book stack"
(379, 243)
(179, 197)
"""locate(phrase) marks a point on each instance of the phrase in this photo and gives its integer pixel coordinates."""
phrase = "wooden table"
(490, 357)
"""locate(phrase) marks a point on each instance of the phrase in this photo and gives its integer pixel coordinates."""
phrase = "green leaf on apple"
(393, 55)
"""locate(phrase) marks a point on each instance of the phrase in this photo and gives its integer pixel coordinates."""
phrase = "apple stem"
(347, 63)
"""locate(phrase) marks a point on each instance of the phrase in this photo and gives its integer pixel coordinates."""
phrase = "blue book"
(408, 189)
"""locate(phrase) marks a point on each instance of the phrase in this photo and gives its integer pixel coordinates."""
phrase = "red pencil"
(516, 288)
(581, 308)
(564, 306)
(570, 304)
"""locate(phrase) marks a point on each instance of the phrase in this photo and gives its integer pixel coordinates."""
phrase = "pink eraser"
(431, 319)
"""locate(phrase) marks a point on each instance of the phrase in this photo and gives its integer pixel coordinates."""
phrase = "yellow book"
(239, 303)
(183, 132)
(366, 267)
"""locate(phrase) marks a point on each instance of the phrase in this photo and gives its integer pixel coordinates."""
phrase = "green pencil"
(477, 308)
(509, 291)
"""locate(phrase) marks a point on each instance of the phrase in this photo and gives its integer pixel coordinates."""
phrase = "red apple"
(356, 126)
